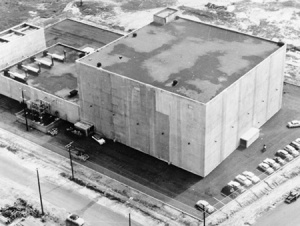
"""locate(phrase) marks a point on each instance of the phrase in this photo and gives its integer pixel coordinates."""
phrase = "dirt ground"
(276, 20)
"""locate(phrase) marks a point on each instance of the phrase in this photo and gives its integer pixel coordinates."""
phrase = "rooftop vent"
(45, 53)
(81, 55)
(280, 44)
(99, 64)
(174, 83)
(73, 93)
(165, 16)
(6, 72)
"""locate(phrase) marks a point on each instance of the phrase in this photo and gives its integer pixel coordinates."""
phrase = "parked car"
(251, 176)
(228, 191)
(298, 140)
(272, 163)
(205, 206)
(291, 150)
(243, 180)
(284, 154)
(280, 161)
(292, 197)
(99, 139)
(237, 186)
(293, 124)
(295, 145)
(266, 168)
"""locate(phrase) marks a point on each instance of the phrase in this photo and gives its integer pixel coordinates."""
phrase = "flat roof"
(78, 34)
(59, 79)
(165, 12)
(189, 58)
(16, 32)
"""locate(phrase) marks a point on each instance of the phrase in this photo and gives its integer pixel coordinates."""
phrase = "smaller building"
(50, 76)
(20, 42)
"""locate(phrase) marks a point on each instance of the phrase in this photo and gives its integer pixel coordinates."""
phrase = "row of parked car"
(237, 186)
(289, 152)
(248, 178)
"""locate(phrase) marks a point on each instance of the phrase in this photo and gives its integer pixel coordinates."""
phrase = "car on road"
(292, 197)
(279, 160)
(266, 168)
(74, 220)
(272, 163)
(298, 140)
(205, 206)
(295, 145)
(284, 155)
(251, 176)
(99, 139)
(293, 124)
(291, 150)
(243, 180)
(237, 186)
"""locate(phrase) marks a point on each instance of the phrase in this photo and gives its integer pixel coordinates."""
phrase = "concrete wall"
(249, 102)
(156, 122)
(22, 47)
(13, 89)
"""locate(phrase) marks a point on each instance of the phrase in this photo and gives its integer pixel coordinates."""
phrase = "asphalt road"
(283, 215)
(61, 196)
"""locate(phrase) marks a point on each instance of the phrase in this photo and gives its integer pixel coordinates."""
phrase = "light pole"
(24, 109)
(69, 149)
(204, 216)
(41, 201)
(129, 216)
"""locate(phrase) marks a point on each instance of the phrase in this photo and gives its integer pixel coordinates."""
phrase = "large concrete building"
(182, 91)
(179, 90)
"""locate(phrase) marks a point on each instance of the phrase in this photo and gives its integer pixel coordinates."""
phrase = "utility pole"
(129, 220)
(37, 172)
(25, 111)
(69, 149)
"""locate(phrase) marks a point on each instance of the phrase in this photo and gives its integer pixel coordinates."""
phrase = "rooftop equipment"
(17, 76)
(56, 56)
(30, 68)
(44, 62)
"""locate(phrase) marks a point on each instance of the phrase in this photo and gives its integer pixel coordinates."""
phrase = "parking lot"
(157, 178)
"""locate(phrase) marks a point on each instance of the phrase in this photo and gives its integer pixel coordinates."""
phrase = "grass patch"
(2, 144)
(93, 8)
(13, 148)
(137, 5)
